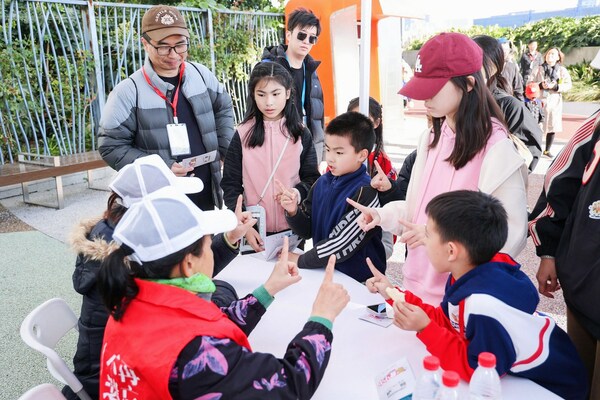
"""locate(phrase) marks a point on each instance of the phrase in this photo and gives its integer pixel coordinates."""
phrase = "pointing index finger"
(238, 206)
(284, 250)
(406, 223)
(376, 273)
(379, 169)
(358, 206)
(329, 269)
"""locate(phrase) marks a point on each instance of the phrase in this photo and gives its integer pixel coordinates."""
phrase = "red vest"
(140, 350)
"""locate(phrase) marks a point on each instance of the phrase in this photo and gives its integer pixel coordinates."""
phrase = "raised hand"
(547, 278)
(380, 181)
(332, 297)
(288, 198)
(245, 222)
(285, 272)
(254, 240)
(410, 317)
(378, 282)
(370, 217)
(413, 234)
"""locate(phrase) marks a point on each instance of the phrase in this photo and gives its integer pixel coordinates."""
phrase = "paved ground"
(37, 263)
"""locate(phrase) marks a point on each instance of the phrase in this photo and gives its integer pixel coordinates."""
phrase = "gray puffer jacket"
(134, 120)
(316, 109)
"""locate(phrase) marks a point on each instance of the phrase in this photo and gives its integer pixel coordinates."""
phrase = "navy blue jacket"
(331, 222)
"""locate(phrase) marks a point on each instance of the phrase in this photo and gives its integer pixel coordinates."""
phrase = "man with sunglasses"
(169, 107)
(303, 30)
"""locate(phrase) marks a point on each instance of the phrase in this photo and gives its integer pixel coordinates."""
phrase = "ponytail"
(116, 282)
(116, 278)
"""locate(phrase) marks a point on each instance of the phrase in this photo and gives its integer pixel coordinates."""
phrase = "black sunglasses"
(312, 39)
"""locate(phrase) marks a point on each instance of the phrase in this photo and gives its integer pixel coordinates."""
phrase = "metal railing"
(60, 59)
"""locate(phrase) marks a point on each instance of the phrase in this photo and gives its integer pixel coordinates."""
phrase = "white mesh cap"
(146, 175)
(165, 222)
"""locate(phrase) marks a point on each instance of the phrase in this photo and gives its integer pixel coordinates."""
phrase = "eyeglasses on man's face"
(312, 39)
(166, 50)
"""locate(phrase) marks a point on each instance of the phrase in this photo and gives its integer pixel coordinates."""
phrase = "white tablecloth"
(360, 350)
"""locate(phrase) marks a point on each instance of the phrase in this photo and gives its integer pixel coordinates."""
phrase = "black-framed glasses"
(166, 50)
(312, 39)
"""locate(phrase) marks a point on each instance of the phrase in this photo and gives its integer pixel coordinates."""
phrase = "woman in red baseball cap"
(467, 148)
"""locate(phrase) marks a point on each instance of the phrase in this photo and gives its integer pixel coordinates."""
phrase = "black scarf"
(553, 73)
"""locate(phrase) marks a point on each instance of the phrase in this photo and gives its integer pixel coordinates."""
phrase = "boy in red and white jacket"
(489, 304)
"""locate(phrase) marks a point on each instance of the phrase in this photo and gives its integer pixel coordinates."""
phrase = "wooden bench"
(33, 167)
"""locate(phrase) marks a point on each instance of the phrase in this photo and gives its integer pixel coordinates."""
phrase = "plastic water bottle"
(430, 380)
(449, 389)
(485, 382)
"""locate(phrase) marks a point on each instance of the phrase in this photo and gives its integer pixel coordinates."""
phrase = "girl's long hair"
(376, 112)
(493, 59)
(264, 72)
(114, 209)
(473, 120)
(116, 275)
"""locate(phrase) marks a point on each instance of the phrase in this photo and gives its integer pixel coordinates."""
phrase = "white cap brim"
(217, 221)
(188, 184)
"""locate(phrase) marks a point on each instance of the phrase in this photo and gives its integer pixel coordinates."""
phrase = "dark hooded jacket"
(92, 241)
(315, 108)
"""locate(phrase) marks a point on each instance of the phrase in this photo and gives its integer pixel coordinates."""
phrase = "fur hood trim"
(95, 249)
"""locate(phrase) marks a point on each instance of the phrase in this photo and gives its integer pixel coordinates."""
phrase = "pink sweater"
(439, 176)
(258, 163)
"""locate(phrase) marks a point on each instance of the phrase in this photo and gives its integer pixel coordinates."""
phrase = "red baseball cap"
(532, 90)
(442, 57)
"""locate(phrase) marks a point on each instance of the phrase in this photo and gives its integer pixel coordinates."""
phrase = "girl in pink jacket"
(467, 149)
(271, 144)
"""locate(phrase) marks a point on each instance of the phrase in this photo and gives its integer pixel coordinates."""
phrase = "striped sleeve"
(561, 186)
(346, 238)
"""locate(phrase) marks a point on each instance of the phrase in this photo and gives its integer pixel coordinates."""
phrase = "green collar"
(198, 283)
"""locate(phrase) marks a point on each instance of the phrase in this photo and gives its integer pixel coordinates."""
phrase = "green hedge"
(563, 32)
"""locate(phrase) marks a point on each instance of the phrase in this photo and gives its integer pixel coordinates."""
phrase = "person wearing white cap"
(565, 226)
(165, 340)
(170, 107)
(92, 241)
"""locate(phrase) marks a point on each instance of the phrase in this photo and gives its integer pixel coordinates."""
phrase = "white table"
(360, 350)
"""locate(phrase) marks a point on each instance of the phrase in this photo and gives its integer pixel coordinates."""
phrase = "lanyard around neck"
(173, 104)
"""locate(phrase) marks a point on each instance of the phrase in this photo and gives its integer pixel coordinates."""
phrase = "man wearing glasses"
(303, 29)
(169, 107)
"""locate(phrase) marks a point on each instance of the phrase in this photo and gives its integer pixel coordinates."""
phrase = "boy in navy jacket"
(489, 304)
(325, 216)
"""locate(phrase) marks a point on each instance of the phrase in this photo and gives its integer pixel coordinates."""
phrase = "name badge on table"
(179, 141)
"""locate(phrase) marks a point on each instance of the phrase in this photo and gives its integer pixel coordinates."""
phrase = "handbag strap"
(274, 170)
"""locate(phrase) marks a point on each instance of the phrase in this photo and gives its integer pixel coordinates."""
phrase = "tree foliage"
(565, 33)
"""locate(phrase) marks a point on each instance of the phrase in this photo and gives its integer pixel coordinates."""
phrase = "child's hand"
(547, 278)
(254, 240)
(245, 222)
(332, 297)
(380, 182)
(413, 234)
(285, 272)
(410, 317)
(370, 217)
(378, 282)
(288, 198)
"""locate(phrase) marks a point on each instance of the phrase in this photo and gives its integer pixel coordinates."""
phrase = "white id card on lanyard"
(179, 141)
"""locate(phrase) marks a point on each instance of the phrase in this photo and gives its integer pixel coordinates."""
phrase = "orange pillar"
(322, 50)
